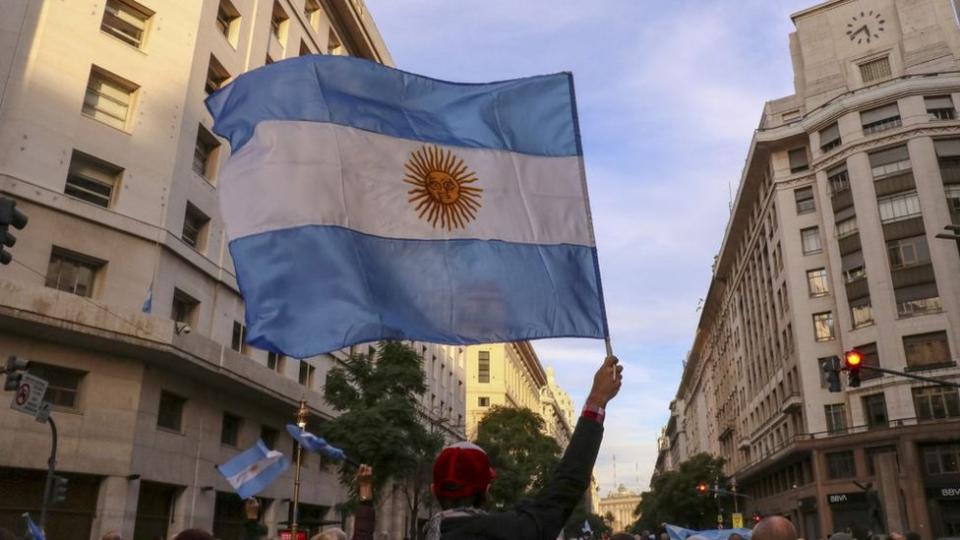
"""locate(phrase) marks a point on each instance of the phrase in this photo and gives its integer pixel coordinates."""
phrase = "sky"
(669, 94)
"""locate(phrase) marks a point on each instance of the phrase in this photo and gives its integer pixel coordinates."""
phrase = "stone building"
(122, 290)
(620, 505)
(831, 246)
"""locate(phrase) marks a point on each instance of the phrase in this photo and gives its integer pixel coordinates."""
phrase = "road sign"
(29, 395)
(737, 520)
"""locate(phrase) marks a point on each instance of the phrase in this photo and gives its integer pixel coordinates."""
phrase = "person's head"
(734, 536)
(112, 535)
(859, 532)
(461, 476)
(330, 534)
(664, 536)
(194, 534)
(774, 528)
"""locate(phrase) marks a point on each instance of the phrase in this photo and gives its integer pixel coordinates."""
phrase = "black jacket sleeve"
(253, 530)
(364, 521)
(544, 516)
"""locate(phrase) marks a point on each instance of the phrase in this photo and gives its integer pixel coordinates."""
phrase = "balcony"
(895, 184)
(913, 275)
(857, 289)
(950, 174)
(843, 199)
(792, 403)
(848, 244)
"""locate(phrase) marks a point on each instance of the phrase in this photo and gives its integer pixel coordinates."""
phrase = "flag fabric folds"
(315, 444)
(586, 527)
(365, 203)
(252, 470)
(35, 532)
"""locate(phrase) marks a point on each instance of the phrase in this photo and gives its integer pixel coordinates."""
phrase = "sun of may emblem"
(441, 192)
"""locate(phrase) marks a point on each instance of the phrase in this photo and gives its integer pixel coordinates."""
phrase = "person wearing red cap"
(462, 475)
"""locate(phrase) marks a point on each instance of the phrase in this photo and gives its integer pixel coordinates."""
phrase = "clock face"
(865, 26)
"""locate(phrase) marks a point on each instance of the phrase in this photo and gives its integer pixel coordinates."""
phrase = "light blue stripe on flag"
(252, 470)
(533, 115)
(452, 291)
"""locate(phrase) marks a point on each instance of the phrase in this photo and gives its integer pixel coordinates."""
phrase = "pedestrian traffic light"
(831, 369)
(851, 363)
(702, 488)
(9, 215)
(14, 367)
(58, 493)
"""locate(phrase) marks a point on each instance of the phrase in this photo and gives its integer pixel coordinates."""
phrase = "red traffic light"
(852, 359)
(702, 487)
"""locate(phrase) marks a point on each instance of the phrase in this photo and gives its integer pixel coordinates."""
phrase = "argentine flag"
(365, 203)
(252, 470)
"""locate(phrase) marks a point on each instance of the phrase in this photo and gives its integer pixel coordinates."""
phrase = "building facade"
(122, 290)
(831, 246)
(619, 506)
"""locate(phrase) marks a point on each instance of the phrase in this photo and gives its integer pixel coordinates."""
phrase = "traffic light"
(756, 518)
(851, 363)
(58, 493)
(9, 215)
(831, 368)
(702, 488)
(14, 367)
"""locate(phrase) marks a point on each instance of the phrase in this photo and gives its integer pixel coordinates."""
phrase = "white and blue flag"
(35, 532)
(252, 470)
(365, 203)
(315, 444)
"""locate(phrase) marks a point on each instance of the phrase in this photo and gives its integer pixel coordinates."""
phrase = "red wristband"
(593, 412)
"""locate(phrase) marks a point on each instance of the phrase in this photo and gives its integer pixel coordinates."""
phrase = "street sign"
(29, 395)
(737, 520)
(44, 413)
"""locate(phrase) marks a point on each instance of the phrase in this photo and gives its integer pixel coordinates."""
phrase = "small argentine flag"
(315, 444)
(252, 470)
(586, 527)
(365, 203)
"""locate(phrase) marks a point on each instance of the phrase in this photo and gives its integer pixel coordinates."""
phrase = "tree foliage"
(574, 526)
(673, 497)
(523, 456)
(376, 396)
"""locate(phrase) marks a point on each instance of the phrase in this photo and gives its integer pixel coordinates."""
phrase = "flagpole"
(302, 415)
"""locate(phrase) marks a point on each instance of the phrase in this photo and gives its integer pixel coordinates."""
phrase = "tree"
(673, 497)
(574, 526)
(521, 453)
(379, 423)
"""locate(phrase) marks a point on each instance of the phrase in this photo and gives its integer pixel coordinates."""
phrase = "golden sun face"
(441, 192)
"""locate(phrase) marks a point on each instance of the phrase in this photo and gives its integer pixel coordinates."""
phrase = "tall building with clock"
(832, 245)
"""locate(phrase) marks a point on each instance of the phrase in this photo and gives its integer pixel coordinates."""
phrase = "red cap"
(461, 470)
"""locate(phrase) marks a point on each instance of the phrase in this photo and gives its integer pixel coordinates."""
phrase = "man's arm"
(366, 516)
(546, 515)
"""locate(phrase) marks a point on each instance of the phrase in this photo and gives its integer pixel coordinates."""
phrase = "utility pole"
(51, 468)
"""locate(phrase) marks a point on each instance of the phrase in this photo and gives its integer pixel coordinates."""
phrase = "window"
(63, 384)
(217, 76)
(239, 340)
(953, 197)
(854, 273)
(205, 153)
(278, 23)
(334, 46)
(942, 459)
(940, 107)
(311, 9)
(927, 350)
(880, 119)
(861, 312)
(804, 198)
(170, 411)
(483, 367)
(126, 21)
(811, 240)
(817, 282)
(184, 307)
(917, 300)
(483, 402)
(195, 228)
(830, 137)
(899, 206)
(889, 162)
(230, 429)
(823, 326)
(846, 227)
(306, 374)
(841, 465)
(936, 402)
(228, 22)
(791, 116)
(836, 417)
(276, 361)
(91, 179)
(72, 273)
(269, 437)
(798, 160)
(839, 179)
(908, 252)
(875, 410)
(108, 98)
(875, 70)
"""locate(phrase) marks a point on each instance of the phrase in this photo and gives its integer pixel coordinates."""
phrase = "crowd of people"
(776, 528)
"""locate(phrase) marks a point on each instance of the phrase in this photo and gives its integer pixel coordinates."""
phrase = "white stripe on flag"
(251, 472)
